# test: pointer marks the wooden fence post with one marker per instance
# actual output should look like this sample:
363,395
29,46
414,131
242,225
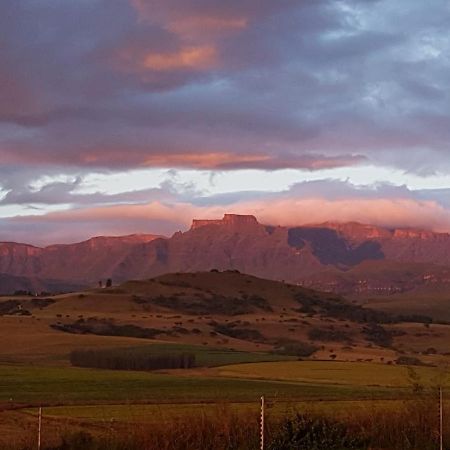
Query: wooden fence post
39,427
262,423
441,420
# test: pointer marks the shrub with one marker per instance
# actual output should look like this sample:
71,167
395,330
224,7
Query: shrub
107,328
211,304
322,334
339,308
297,348
13,307
246,334
76,440
42,302
378,335
311,433
409,361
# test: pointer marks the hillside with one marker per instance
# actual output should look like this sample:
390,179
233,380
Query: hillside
214,309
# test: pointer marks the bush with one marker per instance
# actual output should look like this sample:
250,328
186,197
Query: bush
409,361
303,432
13,307
297,348
339,308
322,334
378,335
246,334
107,328
42,302
75,441
210,304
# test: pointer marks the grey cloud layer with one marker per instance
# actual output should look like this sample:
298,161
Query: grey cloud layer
171,207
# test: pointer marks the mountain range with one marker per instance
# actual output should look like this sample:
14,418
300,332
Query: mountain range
346,258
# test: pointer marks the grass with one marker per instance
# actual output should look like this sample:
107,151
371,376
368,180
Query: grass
151,413
361,425
433,303
50,385
343,373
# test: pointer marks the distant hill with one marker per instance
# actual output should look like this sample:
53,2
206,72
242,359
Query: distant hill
10,284
350,258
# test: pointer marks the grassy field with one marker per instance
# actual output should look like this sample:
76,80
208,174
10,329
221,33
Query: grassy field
25,384
151,413
342,373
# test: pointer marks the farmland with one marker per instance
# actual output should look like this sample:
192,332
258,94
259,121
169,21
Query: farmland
300,349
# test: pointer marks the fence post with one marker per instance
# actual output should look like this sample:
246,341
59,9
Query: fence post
39,427
441,420
262,423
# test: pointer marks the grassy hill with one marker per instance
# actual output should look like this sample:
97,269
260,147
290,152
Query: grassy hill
212,309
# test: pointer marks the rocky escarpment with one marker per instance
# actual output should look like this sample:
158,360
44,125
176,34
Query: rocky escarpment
333,256
228,220
82,263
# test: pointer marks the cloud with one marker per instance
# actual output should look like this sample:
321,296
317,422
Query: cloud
396,213
114,82
304,203
114,85
189,57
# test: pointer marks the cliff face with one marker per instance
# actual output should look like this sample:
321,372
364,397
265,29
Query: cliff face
228,220
84,262
336,257
325,255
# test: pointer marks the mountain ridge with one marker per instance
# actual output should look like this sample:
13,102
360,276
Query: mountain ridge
300,254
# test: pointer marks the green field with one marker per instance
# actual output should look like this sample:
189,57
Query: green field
102,402
27,384
342,373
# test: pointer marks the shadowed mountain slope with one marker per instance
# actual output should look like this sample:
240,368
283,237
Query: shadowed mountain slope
336,257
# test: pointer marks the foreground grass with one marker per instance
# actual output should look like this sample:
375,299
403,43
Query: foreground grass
409,425
25,384
156,413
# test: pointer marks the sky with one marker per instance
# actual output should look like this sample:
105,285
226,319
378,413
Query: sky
136,116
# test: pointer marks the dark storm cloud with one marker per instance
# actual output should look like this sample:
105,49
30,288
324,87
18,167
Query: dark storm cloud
221,85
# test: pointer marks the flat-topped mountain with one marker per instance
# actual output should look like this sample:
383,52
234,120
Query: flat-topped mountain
340,257
229,220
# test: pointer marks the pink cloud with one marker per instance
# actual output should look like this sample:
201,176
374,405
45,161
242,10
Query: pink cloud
198,57
390,213
160,218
